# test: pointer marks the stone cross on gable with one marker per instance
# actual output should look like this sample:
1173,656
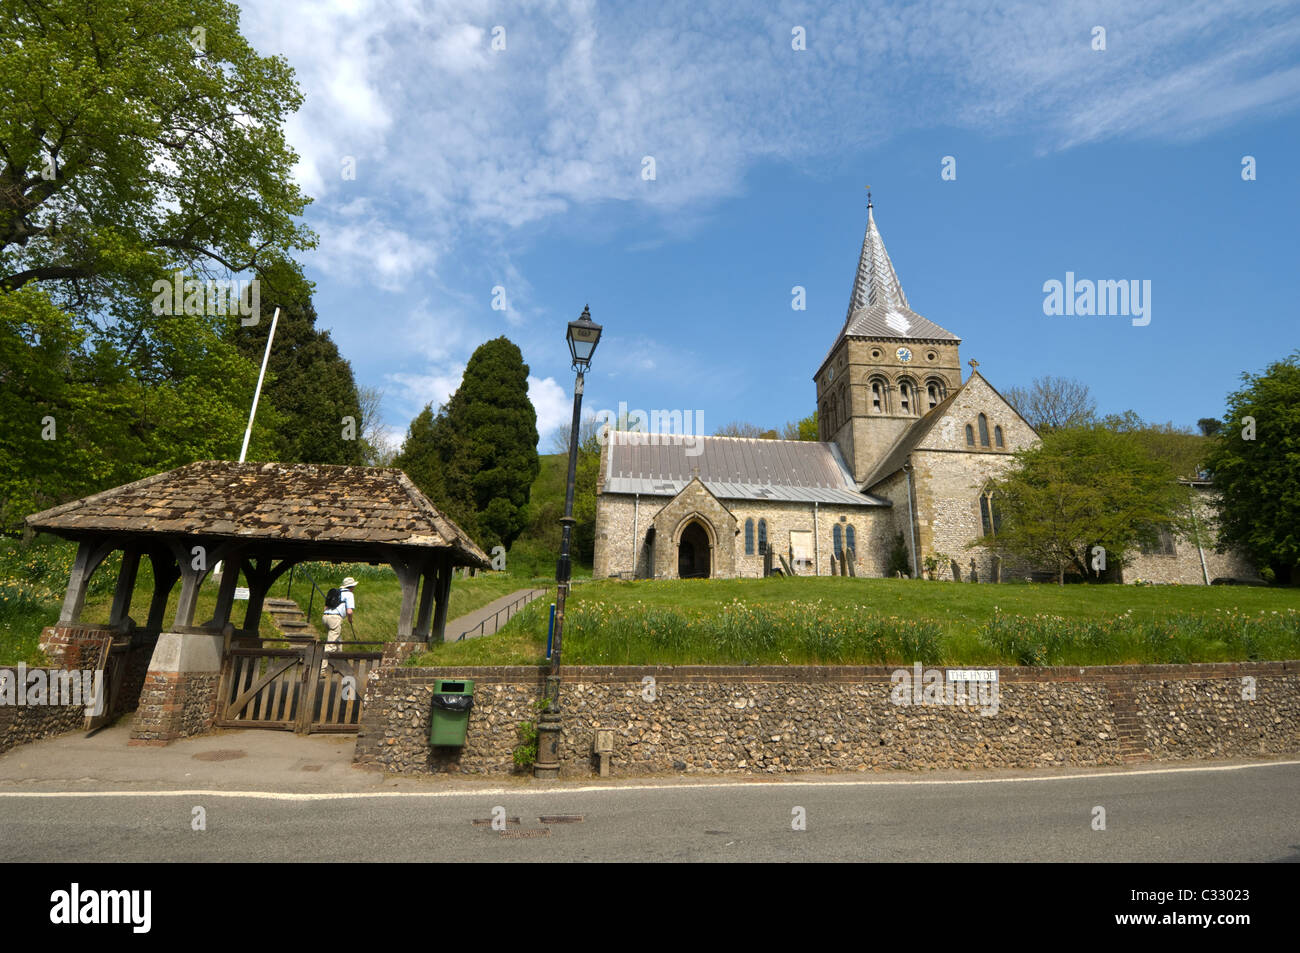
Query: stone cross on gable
973,363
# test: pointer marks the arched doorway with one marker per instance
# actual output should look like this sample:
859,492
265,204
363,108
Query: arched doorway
693,552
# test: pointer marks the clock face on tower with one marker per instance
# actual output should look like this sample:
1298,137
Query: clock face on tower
904,354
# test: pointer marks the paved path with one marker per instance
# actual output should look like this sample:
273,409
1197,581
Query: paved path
492,616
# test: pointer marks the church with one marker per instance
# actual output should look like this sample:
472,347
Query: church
899,482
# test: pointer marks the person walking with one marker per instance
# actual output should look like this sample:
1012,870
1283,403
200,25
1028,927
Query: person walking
340,604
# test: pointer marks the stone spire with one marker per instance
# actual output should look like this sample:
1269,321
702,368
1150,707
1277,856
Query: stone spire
876,281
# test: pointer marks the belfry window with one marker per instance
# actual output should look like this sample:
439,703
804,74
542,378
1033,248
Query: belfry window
932,393
997,437
905,396
877,398
984,430
749,537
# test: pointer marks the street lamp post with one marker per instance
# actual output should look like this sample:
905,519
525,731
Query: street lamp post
583,336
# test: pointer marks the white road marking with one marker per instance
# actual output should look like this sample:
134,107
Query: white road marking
614,789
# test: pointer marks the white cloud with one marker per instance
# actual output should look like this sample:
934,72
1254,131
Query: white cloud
466,137
372,253
410,392
554,407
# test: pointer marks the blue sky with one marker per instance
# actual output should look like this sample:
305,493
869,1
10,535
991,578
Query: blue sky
522,168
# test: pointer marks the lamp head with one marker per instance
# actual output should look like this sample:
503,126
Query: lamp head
583,336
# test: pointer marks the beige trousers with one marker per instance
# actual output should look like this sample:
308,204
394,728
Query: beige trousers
333,627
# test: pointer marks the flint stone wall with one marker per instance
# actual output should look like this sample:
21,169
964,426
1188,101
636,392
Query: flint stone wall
20,724
776,719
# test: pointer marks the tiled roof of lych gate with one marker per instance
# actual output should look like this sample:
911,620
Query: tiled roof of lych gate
733,468
301,502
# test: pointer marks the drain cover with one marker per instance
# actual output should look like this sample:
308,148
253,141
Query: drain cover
222,754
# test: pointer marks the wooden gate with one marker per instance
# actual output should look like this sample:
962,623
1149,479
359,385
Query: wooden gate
303,688
112,664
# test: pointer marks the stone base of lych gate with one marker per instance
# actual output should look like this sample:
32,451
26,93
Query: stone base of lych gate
179,697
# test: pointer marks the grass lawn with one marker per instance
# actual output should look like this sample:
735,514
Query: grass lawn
825,620
884,621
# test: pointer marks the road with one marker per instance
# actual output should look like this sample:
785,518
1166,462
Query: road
1211,813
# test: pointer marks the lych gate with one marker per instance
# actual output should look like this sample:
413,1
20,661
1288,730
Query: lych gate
259,519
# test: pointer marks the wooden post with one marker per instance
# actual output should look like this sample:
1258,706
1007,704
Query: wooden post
428,587
165,574
191,578
261,577
90,553
443,597
409,577
125,587
226,594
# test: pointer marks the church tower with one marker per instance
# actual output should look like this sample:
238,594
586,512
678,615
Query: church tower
888,367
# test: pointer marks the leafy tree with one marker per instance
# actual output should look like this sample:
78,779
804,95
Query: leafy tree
421,460
805,429
482,445
83,416
1255,465
1052,402
1209,426
1179,447
376,441
741,428
138,136
1084,487
308,381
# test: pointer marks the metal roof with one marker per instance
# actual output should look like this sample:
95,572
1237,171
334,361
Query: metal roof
876,282
878,307
733,468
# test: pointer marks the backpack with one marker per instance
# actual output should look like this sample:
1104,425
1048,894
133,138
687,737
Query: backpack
333,598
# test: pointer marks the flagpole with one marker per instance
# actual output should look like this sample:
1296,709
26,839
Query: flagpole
258,393
243,451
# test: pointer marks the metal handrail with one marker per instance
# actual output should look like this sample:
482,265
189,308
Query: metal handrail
525,599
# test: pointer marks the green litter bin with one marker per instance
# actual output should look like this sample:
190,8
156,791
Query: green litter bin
452,700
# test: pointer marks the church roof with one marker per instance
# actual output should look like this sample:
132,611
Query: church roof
908,440
731,468
878,307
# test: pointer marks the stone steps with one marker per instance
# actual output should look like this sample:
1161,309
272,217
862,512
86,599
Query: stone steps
289,618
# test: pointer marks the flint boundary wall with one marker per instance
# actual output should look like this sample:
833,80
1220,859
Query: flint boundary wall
777,719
